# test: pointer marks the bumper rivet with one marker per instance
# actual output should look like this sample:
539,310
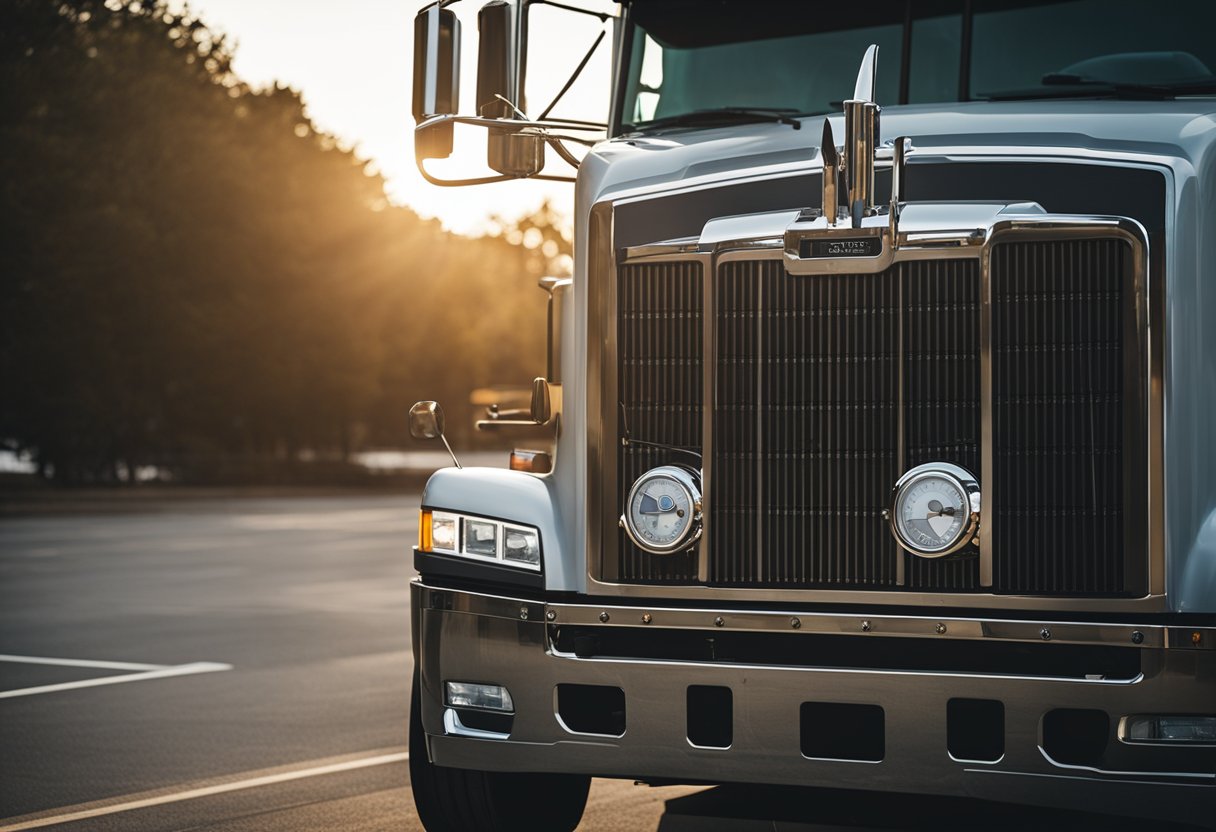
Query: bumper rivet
1045,634
646,619
719,621
1137,637
603,618
551,614
941,629
865,627
795,623
523,613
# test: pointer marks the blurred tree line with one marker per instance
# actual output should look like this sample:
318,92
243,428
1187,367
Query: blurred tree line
195,278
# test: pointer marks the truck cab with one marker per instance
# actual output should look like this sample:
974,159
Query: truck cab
878,408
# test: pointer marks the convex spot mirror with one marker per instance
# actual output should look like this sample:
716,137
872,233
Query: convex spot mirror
436,78
426,420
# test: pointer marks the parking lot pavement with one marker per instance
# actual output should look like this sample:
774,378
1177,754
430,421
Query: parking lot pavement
245,665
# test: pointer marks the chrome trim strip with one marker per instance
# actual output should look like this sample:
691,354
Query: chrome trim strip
914,246
454,727
1115,773
859,625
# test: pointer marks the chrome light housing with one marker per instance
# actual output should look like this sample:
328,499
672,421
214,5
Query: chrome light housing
663,510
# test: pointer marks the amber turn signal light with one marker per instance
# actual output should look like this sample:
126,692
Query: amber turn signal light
533,462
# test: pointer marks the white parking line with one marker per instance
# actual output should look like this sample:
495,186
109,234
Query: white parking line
83,813
81,663
146,672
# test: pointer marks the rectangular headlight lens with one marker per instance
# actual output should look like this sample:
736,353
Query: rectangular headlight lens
1170,729
521,545
443,533
481,538
472,695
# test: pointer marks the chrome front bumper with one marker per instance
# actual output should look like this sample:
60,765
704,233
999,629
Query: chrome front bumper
472,637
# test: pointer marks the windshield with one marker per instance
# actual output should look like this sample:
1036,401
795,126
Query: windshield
687,57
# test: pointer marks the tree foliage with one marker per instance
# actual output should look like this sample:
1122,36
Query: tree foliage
193,273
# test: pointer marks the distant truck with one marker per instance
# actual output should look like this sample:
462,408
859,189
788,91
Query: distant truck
883,447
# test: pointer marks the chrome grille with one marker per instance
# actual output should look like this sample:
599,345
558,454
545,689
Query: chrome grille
805,418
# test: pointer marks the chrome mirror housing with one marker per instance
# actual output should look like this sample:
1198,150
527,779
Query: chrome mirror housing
436,78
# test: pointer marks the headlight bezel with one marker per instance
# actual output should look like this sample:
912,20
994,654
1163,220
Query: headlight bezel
463,522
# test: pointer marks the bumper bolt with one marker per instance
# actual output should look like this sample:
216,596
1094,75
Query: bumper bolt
646,619
1137,637
603,618
551,614
1045,634
865,626
795,623
719,621
941,629
523,613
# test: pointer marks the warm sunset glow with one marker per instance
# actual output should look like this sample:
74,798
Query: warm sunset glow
352,63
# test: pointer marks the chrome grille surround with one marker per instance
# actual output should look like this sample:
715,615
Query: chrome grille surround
1145,558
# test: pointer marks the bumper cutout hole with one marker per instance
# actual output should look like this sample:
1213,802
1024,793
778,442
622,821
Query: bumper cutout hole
838,731
592,709
710,716
1076,736
975,729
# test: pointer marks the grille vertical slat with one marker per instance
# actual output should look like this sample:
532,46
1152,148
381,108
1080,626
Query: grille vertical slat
660,380
1057,416
942,391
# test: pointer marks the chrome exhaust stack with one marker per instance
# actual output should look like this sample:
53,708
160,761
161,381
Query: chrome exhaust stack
861,139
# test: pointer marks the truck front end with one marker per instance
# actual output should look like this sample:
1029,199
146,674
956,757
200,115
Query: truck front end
879,466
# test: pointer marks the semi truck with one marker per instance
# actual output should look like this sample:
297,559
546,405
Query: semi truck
876,417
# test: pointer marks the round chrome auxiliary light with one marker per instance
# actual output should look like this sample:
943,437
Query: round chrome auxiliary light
935,510
663,510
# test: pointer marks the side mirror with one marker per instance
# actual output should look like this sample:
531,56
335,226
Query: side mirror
497,58
501,26
436,78
426,422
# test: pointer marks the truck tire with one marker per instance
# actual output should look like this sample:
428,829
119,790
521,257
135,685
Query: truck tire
461,800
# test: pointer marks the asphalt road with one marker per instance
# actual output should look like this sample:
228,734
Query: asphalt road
245,665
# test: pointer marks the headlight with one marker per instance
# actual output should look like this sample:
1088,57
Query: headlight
479,538
663,510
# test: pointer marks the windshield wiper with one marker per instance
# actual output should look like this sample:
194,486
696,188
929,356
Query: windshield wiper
724,115
1072,86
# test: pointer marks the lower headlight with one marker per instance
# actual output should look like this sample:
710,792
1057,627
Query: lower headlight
473,695
1181,730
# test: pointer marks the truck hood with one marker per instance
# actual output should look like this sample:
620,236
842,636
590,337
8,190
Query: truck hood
1183,129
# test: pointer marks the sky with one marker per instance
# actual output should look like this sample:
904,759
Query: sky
351,61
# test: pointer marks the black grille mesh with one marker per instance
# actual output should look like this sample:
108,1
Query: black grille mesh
1057,312
660,347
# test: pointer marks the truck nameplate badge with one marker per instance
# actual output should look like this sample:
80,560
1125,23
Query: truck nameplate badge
846,247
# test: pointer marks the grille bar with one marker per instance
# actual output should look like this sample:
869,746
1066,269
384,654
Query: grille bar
660,342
